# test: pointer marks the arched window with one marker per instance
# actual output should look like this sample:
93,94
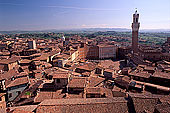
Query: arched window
136,19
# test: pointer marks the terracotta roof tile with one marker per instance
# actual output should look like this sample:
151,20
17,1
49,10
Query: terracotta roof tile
25,61
41,96
8,61
144,102
161,75
71,96
29,108
163,108
17,110
90,105
81,101
109,64
94,81
87,66
2,67
9,74
59,74
165,99
77,82
142,74
94,90
18,81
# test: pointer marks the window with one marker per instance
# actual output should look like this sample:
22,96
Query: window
58,80
10,95
92,95
136,19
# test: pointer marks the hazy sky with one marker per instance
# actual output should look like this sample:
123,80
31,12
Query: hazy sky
67,14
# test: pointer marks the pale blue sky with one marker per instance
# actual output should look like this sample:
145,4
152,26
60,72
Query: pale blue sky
67,14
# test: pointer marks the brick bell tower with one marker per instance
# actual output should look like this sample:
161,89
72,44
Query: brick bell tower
135,29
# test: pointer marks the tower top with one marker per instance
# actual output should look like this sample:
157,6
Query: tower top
135,24
63,37
136,11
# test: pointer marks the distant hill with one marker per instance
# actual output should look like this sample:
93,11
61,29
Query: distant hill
155,30
84,30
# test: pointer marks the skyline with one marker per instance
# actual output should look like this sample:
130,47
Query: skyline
74,14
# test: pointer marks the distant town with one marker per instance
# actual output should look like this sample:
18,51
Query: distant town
85,71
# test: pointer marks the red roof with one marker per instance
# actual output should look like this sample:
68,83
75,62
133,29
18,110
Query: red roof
77,82
18,81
